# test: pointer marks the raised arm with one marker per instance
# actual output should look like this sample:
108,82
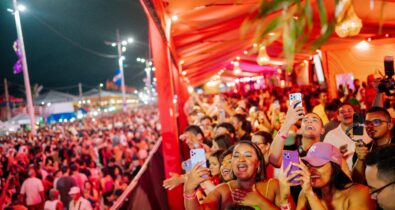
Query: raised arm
293,115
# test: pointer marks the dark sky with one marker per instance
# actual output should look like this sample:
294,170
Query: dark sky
62,36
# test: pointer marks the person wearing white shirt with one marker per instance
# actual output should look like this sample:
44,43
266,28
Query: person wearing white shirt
78,202
338,137
33,191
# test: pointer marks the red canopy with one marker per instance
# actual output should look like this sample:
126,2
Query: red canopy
206,36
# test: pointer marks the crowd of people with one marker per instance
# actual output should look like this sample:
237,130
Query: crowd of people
264,151
85,164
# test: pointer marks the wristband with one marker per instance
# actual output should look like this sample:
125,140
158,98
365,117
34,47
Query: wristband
286,206
191,196
283,137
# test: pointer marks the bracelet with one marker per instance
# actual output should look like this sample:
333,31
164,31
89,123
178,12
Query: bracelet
191,196
286,206
283,137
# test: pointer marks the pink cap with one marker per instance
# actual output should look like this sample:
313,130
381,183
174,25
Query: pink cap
321,153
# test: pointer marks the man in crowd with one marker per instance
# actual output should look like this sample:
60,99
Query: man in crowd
341,137
380,176
225,128
206,123
320,108
331,112
378,126
242,126
64,184
33,190
78,202
194,138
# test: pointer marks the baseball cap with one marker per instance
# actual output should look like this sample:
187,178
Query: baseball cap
321,153
74,190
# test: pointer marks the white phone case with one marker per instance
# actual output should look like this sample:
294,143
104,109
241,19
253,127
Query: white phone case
198,155
295,97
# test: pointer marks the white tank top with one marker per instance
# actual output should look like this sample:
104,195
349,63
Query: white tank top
50,205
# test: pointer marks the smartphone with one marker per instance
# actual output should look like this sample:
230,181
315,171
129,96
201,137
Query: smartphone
295,97
187,165
291,156
198,155
358,123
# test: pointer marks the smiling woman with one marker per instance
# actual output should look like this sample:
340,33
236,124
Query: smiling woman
251,188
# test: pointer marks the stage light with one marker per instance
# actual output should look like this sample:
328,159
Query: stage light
21,8
363,45
174,18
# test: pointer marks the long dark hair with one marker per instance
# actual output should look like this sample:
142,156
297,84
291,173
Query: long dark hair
224,141
261,173
339,180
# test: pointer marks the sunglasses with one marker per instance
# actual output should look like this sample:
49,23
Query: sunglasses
375,122
374,193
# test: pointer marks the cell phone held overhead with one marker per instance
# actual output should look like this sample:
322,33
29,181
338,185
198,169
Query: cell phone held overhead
295,97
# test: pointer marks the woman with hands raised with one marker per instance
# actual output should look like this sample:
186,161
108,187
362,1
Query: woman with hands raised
251,188
324,184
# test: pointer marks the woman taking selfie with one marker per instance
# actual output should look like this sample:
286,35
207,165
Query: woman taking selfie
251,188
324,184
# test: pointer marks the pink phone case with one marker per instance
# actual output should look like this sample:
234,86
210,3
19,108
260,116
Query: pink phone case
290,156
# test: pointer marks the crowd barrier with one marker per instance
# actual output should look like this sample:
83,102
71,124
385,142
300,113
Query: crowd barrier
146,191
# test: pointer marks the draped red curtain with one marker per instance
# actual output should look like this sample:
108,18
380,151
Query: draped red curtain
167,109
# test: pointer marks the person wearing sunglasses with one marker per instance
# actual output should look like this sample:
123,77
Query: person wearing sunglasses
380,176
378,126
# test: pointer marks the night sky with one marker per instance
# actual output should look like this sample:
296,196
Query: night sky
64,41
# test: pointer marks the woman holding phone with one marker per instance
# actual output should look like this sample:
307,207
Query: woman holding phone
251,188
324,184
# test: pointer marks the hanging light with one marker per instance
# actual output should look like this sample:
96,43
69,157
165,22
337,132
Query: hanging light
348,23
236,68
263,58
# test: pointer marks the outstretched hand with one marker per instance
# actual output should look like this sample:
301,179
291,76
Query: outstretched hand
172,182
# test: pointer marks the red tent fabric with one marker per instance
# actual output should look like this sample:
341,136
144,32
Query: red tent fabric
192,40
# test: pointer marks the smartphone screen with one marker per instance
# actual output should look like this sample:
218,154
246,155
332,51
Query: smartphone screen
291,156
358,122
295,97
